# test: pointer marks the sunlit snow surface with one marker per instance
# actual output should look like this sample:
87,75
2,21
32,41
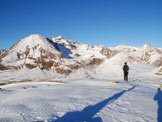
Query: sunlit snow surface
81,99
96,94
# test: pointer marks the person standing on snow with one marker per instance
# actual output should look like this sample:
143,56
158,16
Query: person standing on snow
125,69
158,98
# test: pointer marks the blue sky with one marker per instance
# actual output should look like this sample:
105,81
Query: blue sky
94,22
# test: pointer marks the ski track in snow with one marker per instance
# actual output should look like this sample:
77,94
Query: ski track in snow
79,101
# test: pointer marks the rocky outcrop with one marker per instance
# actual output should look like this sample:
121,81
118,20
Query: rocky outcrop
107,52
95,61
2,67
2,51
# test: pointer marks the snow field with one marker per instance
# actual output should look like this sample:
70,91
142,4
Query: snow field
79,101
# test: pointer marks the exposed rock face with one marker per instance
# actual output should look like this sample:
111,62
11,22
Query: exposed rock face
95,61
2,67
62,71
107,52
2,51
2,55
65,56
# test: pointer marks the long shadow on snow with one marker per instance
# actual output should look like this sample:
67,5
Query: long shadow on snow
4,91
158,98
87,114
61,48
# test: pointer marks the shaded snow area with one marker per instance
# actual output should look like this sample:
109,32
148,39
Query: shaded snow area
81,100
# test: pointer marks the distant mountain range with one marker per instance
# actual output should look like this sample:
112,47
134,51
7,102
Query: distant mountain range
66,56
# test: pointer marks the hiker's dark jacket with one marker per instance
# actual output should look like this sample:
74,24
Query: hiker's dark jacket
125,68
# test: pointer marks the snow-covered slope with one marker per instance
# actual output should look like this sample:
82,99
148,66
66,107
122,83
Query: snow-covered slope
81,101
67,58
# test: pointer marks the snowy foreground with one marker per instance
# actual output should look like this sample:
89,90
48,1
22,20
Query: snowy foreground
81,100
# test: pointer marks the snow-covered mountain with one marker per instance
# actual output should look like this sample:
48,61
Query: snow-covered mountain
66,57
146,54
56,54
